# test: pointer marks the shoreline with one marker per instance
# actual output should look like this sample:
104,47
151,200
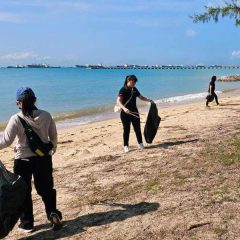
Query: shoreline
102,113
143,107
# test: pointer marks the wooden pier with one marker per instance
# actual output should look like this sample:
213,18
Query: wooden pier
163,67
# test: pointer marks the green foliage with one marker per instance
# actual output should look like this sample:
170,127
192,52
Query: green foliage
153,184
220,231
232,154
227,159
231,10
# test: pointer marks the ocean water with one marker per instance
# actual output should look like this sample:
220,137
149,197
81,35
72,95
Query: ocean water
77,96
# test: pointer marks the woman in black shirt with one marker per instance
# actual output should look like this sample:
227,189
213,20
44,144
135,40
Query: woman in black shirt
129,114
211,90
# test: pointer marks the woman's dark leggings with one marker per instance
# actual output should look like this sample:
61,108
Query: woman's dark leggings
41,170
127,119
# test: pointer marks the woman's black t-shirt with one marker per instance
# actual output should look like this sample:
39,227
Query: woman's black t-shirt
212,84
126,93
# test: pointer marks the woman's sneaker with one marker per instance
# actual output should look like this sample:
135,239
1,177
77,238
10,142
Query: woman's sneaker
126,149
140,146
56,221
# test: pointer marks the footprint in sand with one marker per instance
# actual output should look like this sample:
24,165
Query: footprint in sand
86,151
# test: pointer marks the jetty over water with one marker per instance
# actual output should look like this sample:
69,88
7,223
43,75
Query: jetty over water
170,67
127,66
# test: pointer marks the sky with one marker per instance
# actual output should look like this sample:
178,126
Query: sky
114,32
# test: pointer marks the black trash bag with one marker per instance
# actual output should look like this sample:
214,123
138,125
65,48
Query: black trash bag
152,123
13,191
210,98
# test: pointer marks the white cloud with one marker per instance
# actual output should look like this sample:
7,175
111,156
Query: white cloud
23,56
236,53
78,5
9,17
191,33
104,5
45,10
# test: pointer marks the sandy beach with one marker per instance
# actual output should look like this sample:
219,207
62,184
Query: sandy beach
177,188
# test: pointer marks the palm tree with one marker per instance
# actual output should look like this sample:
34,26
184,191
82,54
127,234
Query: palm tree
230,9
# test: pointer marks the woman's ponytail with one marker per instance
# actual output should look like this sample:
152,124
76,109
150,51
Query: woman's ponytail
28,105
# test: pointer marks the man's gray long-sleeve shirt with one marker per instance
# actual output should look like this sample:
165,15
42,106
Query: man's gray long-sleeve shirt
42,123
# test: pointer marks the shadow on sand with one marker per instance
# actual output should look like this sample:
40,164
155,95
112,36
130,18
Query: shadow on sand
77,225
229,104
174,143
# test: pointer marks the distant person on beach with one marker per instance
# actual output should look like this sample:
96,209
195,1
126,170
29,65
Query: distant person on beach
27,163
211,91
129,113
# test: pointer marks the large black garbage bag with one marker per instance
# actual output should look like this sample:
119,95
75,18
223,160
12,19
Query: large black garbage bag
152,123
12,195
210,98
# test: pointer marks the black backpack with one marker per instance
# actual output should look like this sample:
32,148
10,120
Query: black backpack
13,191
34,141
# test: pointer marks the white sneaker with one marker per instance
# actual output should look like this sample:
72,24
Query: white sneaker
126,149
140,146
26,230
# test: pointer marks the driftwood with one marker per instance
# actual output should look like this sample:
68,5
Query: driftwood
197,225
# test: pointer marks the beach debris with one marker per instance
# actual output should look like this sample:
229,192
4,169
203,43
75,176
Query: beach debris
197,225
67,141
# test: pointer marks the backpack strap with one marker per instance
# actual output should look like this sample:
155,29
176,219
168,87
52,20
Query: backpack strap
26,126
35,143
129,99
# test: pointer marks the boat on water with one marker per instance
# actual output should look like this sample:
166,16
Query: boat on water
41,65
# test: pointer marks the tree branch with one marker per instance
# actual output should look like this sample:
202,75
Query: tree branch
231,10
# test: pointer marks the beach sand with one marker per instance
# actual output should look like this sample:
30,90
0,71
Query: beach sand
175,189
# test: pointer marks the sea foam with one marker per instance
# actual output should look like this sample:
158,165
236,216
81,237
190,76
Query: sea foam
184,98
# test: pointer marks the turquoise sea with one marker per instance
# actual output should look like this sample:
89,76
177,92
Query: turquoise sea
84,95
